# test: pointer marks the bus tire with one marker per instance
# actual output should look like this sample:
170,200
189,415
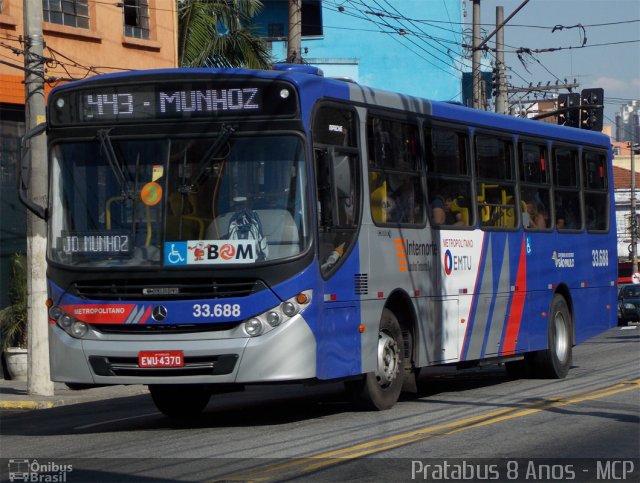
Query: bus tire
380,390
555,361
180,401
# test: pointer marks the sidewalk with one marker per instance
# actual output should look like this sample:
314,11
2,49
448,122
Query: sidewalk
14,395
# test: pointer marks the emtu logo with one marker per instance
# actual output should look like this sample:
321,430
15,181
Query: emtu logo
448,262
454,263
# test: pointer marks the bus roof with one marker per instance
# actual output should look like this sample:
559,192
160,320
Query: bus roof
304,75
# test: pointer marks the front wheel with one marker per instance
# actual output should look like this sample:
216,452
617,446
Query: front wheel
554,362
180,401
380,390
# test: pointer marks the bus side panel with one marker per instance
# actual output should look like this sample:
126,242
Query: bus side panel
405,264
581,265
337,333
497,322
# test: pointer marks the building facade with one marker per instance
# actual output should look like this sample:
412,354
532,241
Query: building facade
82,38
408,46
628,122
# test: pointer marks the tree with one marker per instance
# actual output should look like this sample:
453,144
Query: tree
13,319
218,33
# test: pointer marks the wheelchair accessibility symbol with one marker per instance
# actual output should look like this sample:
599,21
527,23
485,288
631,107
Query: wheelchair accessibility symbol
175,253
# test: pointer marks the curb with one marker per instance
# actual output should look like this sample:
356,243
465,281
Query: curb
29,404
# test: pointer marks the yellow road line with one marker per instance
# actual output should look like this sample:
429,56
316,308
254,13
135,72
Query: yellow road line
311,463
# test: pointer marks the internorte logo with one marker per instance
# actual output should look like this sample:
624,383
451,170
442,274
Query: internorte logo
408,250
456,263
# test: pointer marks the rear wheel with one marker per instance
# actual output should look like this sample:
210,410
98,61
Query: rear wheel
180,401
554,362
380,390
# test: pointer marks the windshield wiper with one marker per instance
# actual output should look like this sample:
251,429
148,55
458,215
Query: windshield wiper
114,162
204,166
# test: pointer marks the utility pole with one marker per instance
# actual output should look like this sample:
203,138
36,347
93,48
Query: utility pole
501,97
294,44
39,380
477,47
634,217
475,59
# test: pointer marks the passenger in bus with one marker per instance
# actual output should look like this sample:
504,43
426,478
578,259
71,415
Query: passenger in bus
403,205
441,213
537,219
560,220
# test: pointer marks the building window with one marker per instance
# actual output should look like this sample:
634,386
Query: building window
73,13
275,30
311,18
136,18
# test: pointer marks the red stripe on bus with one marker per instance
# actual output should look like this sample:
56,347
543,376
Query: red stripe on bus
517,305
146,315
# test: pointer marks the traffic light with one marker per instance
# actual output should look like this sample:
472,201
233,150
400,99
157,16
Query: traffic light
495,81
571,116
592,109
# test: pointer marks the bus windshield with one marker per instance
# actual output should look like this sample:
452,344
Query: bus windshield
123,202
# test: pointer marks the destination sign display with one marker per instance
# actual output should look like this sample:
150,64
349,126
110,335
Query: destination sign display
108,244
172,101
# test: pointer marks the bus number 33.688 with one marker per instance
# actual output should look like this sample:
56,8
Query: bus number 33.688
600,258
217,310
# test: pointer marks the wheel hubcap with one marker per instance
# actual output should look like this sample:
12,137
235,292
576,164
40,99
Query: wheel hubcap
388,359
561,336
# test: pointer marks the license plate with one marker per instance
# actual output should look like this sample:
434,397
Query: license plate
160,359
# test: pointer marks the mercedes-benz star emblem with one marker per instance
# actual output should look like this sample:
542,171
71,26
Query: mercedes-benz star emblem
159,313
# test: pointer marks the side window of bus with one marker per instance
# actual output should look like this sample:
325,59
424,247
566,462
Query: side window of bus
595,183
337,183
395,187
535,189
495,190
566,195
449,181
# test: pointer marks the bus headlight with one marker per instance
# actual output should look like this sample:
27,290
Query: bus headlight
79,329
55,312
273,318
289,309
65,321
253,327
75,328
279,315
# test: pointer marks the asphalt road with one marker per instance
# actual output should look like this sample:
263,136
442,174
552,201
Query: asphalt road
583,428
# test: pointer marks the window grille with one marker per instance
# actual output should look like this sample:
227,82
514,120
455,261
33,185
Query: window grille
73,13
136,18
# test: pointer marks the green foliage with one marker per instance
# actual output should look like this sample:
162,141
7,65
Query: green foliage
218,33
13,319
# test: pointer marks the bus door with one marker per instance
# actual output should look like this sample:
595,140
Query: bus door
338,204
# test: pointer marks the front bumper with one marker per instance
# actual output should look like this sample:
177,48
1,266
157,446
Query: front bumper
629,314
286,353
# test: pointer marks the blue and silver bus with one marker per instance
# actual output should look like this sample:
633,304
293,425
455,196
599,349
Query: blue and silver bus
210,229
